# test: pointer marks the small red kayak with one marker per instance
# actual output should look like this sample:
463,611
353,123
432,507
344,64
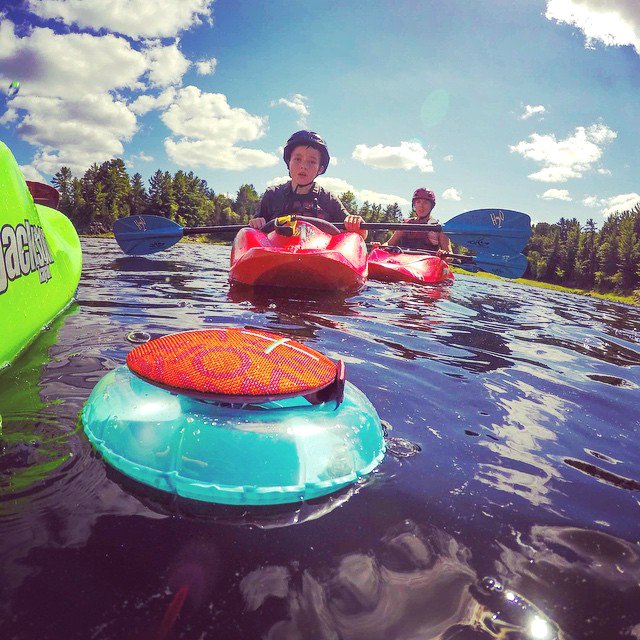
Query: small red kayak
299,254
405,267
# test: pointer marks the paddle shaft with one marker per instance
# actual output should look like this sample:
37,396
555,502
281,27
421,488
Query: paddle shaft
391,226
374,226
228,228
427,253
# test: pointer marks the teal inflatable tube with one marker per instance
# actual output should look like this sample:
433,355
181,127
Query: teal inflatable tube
274,452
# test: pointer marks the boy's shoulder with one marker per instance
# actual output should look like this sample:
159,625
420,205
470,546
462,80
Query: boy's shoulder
278,188
322,192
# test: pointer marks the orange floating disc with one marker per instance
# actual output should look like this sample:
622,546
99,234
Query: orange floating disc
241,363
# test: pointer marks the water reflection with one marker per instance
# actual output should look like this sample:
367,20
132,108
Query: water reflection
141,264
34,449
526,424
261,517
599,574
418,583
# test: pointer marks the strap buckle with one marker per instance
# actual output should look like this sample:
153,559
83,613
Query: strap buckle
287,226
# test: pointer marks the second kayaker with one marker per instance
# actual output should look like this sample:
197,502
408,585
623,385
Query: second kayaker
306,156
423,202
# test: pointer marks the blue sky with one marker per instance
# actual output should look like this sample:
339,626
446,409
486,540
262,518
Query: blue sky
531,106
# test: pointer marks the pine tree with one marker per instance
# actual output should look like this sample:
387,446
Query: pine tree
247,202
62,181
161,200
113,177
626,277
348,199
93,208
585,262
137,195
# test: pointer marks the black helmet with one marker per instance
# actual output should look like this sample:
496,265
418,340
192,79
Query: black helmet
308,139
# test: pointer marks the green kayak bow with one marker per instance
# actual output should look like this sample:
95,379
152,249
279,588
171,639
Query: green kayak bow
40,261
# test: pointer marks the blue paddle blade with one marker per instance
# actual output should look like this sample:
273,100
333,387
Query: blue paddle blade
140,235
506,266
493,231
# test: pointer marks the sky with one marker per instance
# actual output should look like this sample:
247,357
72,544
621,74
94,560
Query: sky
531,105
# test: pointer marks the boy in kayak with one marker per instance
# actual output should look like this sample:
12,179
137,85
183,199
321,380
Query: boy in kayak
423,202
306,156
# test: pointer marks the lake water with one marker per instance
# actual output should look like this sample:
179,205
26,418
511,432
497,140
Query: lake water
507,506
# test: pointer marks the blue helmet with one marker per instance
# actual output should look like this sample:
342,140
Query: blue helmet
307,139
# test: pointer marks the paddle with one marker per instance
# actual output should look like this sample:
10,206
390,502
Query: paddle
496,231
506,265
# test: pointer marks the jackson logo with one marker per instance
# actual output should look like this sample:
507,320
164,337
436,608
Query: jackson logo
23,250
497,218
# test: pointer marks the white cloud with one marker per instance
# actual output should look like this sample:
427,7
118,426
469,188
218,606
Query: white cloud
590,201
166,65
556,194
338,186
208,153
206,67
409,155
30,173
274,182
209,129
620,203
375,197
9,116
612,22
145,103
75,133
69,105
451,194
604,172
448,158
141,156
568,158
69,65
196,114
134,18
531,110
298,103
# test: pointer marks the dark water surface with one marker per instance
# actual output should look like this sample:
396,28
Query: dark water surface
524,407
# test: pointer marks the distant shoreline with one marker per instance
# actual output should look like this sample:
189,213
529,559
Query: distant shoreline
611,297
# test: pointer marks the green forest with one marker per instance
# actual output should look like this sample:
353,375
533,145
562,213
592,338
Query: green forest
605,259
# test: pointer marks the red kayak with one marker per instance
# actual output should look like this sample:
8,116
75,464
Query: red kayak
305,253
404,267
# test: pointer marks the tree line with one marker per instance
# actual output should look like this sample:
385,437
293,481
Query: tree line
106,192
573,255
565,253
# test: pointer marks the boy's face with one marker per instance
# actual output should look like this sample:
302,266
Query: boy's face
304,165
422,207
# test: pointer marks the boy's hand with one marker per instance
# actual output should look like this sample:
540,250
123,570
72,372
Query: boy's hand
352,223
257,223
